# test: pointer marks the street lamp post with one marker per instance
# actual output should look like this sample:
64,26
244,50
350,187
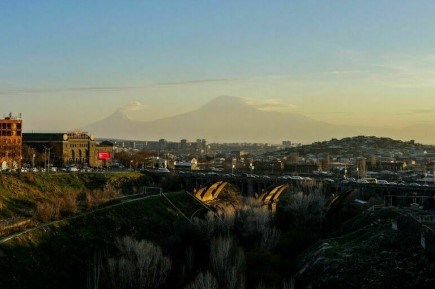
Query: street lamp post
357,171
232,169
46,162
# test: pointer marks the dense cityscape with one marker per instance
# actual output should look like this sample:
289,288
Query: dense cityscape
354,157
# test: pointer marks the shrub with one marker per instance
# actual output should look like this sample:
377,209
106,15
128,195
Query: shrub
306,209
47,211
69,203
95,198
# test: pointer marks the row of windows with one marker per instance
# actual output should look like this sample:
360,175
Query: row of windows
79,145
11,141
10,126
77,160
10,133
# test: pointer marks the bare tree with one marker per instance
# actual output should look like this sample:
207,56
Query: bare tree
307,208
227,262
256,222
94,273
288,284
216,224
261,286
204,281
189,256
285,285
251,219
140,265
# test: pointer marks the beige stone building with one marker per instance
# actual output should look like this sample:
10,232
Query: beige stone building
71,148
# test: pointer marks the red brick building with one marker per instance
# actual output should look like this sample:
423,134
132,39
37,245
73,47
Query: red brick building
10,142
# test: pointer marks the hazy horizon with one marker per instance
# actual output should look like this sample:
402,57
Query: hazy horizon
66,65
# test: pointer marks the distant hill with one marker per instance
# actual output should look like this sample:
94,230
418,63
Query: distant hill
116,124
231,119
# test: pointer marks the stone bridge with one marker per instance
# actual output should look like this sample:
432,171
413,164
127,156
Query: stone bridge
270,188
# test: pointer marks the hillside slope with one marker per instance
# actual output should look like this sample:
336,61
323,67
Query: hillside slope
19,193
61,255
368,253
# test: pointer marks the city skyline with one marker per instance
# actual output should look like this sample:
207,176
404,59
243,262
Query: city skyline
66,65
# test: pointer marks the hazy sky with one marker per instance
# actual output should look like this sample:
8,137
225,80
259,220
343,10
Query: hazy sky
65,64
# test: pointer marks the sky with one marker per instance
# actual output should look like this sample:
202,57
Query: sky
66,64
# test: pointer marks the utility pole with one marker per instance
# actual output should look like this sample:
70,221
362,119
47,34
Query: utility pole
48,162
45,159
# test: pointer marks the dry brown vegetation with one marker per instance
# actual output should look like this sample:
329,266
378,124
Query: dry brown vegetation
57,207
96,198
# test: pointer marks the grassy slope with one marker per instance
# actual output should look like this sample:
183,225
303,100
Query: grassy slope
20,192
46,258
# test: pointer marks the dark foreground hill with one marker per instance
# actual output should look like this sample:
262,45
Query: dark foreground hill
368,253
63,254
242,247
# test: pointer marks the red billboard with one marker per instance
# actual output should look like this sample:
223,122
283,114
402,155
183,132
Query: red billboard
103,156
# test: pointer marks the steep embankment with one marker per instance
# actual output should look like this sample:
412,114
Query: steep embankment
62,255
368,253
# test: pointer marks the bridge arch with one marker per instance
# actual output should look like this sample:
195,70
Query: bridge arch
272,195
212,191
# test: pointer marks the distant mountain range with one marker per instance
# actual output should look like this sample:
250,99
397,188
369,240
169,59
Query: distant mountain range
231,119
